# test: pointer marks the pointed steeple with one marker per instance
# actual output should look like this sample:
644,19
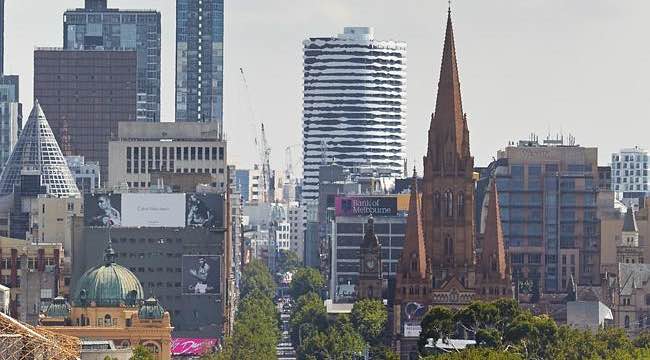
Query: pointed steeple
413,260
448,124
37,150
493,257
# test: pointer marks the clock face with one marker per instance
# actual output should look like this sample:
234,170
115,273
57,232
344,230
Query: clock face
370,264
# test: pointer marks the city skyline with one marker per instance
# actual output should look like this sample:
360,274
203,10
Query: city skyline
497,64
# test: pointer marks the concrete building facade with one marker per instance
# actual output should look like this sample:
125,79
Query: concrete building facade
140,149
630,173
87,175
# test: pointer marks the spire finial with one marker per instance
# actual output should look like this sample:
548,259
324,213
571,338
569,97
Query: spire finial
109,253
449,7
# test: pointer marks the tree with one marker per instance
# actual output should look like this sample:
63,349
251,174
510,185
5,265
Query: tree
477,354
288,261
370,318
309,316
438,323
141,353
306,280
256,276
338,342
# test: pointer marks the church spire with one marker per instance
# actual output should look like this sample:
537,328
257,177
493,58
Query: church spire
493,256
414,259
448,127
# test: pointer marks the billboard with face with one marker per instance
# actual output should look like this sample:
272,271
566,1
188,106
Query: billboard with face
201,274
204,210
153,210
102,210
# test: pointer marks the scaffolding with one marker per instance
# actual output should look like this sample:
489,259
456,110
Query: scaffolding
20,341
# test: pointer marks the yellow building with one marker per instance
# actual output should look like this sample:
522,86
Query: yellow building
108,304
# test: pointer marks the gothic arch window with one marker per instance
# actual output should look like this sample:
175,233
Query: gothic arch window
414,262
107,320
436,203
449,203
461,204
627,321
370,291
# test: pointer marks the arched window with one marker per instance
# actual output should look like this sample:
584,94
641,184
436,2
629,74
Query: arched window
627,322
449,247
436,204
461,204
449,203
370,291
107,320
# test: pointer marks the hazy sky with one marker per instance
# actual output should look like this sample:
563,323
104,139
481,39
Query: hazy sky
579,67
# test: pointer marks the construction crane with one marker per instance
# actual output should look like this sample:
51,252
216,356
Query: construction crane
263,150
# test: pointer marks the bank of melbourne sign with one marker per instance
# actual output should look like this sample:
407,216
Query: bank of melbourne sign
366,205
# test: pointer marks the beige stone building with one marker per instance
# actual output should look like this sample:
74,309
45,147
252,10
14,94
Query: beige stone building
141,149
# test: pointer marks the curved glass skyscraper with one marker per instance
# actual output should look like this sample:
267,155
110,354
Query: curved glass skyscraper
354,104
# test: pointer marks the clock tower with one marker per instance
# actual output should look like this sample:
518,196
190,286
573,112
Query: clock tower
370,271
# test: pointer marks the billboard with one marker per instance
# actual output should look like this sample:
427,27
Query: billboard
153,210
193,346
366,205
204,210
102,210
412,315
201,274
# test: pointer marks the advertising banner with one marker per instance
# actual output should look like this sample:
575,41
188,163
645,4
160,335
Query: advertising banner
204,210
193,346
201,274
412,315
102,210
366,205
153,210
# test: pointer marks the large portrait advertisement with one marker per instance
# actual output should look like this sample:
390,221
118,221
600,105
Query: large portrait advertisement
102,210
203,210
201,274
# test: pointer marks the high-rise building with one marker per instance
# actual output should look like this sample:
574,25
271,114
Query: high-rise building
630,173
85,94
547,196
2,36
11,116
354,104
97,27
199,60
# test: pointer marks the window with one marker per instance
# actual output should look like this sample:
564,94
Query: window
436,203
449,202
461,204
627,321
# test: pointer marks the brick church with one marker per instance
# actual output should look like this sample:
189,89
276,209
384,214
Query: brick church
439,264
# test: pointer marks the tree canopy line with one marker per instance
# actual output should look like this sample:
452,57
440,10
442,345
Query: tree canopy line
504,331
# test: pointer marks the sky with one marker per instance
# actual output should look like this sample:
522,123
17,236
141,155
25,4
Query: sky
577,67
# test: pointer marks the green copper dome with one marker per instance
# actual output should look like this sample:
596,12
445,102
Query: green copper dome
108,285
58,308
151,309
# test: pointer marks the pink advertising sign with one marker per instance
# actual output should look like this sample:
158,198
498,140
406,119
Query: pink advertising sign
192,346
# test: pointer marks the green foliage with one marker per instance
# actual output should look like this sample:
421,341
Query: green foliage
256,277
438,323
338,341
288,261
141,353
256,333
370,318
477,354
309,316
306,280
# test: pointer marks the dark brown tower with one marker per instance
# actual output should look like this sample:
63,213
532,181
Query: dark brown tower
448,194
370,271
493,273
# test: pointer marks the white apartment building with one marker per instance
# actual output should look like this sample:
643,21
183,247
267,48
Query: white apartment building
282,236
297,218
188,148
354,104
630,173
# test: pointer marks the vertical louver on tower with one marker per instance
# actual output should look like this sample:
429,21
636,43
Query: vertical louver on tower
37,150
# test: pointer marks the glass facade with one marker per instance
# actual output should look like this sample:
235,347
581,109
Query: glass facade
548,207
10,116
199,60
98,28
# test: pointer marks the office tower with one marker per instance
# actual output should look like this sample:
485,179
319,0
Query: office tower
354,104
85,94
37,154
199,60
97,27
630,173
547,196
11,116
2,36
